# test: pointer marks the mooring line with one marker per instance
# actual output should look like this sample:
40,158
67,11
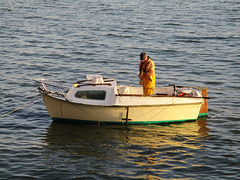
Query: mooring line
167,106
16,109
219,89
224,89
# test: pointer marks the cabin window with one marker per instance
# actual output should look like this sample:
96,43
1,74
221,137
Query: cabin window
95,95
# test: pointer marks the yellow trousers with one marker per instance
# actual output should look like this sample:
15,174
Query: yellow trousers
148,85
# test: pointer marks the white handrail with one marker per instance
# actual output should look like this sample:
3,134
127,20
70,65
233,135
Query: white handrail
44,84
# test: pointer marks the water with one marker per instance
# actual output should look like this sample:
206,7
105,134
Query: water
193,43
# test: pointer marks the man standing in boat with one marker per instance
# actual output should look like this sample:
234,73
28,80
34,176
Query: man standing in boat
147,74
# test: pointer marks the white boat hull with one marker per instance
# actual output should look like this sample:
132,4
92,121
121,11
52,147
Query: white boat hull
60,109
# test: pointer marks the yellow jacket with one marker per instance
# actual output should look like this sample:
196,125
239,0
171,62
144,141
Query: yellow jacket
147,69
147,76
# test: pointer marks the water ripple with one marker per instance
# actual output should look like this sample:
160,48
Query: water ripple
192,43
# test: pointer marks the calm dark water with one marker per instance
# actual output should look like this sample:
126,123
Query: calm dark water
195,43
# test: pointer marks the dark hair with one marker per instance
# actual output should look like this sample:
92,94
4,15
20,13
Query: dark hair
143,55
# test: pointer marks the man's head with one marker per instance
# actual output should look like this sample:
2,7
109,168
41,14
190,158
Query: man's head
143,56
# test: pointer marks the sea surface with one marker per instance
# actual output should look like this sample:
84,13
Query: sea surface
193,43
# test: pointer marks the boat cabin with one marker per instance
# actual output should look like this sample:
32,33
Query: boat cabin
103,91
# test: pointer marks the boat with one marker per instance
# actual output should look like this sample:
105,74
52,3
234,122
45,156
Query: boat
102,101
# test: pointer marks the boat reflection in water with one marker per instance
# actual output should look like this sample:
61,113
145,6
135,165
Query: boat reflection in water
150,151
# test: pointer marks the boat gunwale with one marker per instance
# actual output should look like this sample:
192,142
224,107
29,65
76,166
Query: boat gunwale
124,106
140,95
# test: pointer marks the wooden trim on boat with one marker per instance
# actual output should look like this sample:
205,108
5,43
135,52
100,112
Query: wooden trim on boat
204,107
140,95
104,84
116,106
104,79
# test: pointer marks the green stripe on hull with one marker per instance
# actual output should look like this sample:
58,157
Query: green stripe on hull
203,114
124,122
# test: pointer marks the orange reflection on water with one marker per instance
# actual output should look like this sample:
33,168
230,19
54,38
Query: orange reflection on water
150,150
167,148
